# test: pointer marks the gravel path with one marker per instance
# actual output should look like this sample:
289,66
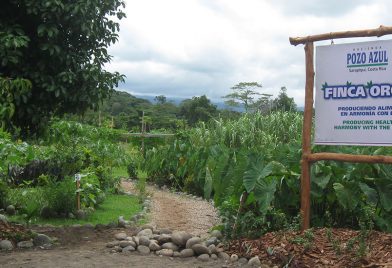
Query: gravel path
178,212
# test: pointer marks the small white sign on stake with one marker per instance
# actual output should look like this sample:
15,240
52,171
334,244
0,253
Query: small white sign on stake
354,94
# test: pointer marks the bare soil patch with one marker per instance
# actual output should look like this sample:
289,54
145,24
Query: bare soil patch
329,248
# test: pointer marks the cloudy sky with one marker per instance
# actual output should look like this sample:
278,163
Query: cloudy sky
185,48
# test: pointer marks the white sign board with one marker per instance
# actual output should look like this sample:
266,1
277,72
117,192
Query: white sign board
354,94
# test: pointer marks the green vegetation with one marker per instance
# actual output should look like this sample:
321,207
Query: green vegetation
107,212
74,35
257,157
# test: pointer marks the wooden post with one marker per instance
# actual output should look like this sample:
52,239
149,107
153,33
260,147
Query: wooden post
143,130
307,157
77,194
306,137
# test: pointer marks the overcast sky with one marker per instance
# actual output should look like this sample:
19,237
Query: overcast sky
185,48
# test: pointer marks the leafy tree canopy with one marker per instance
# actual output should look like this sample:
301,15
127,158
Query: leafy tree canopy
283,102
52,57
244,94
197,109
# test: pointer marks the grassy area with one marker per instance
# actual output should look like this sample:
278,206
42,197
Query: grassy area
113,207
120,172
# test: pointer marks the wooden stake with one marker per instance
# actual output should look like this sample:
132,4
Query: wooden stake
382,159
380,31
77,194
306,137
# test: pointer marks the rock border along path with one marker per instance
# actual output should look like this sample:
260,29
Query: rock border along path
179,226
178,211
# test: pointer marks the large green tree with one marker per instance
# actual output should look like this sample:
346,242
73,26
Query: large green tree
244,94
52,57
197,109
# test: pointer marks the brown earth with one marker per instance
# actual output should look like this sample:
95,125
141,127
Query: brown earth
86,247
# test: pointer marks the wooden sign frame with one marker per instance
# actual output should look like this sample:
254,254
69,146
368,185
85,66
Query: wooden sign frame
307,156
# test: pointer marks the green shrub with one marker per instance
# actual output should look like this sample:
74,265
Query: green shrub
132,170
60,197
4,189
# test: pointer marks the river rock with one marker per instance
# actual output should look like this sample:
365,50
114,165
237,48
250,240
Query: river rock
120,236
148,226
176,254
127,243
188,252
164,238
200,249
242,261
136,240
10,210
170,245
214,256
112,244
144,241
180,238
166,252
234,258
145,232
217,234
204,257
128,249
211,241
3,218
192,241
154,246
143,250
212,248
254,262
25,244
165,231
6,245
224,256
41,240
121,222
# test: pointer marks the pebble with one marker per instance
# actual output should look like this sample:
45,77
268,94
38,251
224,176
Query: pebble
10,210
25,244
41,240
126,243
145,232
154,246
165,231
217,234
185,253
120,236
212,248
128,249
166,252
180,238
204,257
211,241
170,245
254,262
243,261
112,244
200,249
164,238
143,250
6,245
144,241
136,240
148,226
3,218
224,255
192,241
234,258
